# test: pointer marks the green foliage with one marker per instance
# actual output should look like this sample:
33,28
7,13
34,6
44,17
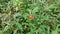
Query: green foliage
14,17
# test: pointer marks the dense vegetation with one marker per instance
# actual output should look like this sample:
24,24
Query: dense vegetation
29,16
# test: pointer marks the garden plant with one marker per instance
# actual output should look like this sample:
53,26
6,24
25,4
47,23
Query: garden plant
29,16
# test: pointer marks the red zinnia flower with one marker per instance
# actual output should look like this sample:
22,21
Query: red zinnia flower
31,16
